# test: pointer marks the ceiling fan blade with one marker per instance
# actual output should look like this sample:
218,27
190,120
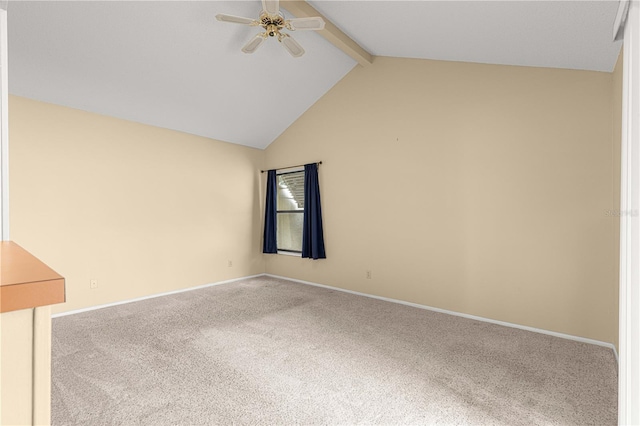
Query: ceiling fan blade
254,43
236,19
301,24
272,7
292,46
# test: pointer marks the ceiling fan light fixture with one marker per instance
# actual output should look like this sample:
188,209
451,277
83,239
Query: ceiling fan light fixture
272,30
272,20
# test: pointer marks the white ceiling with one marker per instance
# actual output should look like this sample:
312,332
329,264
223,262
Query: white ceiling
556,34
168,64
172,65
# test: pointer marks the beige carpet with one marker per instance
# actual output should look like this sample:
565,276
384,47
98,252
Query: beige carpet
268,351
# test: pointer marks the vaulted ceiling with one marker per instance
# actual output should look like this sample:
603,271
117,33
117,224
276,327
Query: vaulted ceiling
172,65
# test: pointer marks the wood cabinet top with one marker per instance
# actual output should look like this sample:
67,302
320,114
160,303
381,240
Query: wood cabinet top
26,282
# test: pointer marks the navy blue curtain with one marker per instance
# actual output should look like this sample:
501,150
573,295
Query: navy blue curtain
269,244
312,236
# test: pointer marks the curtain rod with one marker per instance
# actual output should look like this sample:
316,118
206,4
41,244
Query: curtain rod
290,167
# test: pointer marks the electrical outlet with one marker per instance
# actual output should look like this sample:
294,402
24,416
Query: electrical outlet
230,263
368,275
93,283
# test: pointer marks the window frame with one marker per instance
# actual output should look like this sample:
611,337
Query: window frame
280,172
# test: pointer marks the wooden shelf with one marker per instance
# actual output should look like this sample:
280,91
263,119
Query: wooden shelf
26,282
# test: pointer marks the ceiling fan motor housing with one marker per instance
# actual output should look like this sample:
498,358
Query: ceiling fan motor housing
271,23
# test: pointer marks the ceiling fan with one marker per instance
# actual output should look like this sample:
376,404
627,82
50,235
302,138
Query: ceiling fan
272,20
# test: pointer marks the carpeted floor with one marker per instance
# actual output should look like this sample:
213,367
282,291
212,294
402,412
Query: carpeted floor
269,351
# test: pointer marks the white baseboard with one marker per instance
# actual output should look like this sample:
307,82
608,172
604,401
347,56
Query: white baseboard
151,296
459,314
387,299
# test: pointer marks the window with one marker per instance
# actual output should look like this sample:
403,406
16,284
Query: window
292,213
290,210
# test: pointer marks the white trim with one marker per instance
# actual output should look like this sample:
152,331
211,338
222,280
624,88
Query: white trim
357,293
629,306
151,296
458,314
288,253
621,20
372,296
4,129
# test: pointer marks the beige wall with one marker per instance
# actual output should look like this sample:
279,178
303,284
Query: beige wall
140,209
481,189
616,157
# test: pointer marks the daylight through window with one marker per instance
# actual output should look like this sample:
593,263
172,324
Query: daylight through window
290,210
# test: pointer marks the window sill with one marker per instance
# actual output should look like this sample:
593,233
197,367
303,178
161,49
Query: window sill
288,253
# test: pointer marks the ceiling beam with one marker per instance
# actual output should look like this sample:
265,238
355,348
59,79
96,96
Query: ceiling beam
302,9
